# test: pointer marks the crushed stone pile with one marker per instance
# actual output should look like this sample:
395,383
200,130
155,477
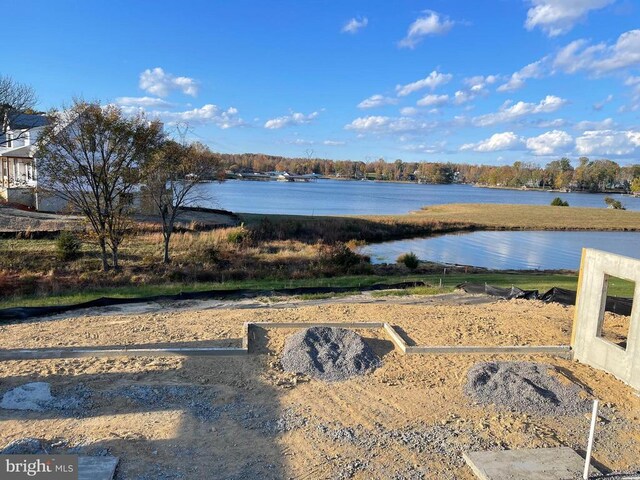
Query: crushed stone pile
525,387
328,353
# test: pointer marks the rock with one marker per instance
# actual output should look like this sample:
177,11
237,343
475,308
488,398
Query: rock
34,396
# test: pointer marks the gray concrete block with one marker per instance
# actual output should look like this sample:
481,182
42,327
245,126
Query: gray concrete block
97,468
560,463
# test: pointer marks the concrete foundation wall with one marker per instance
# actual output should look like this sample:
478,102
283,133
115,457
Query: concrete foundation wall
587,343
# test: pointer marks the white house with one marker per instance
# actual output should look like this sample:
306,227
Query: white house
17,158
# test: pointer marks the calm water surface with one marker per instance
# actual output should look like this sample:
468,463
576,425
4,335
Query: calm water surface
509,250
496,250
335,197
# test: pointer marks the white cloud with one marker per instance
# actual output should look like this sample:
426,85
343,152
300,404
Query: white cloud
301,141
144,102
408,111
354,25
462,96
431,23
556,17
289,120
549,143
431,81
606,124
376,101
479,83
157,82
433,100
497,142
382,125
608,142
475,86
555,123
600,58
207,114
334,143
508,112
632,82
517,79
600,105
438,147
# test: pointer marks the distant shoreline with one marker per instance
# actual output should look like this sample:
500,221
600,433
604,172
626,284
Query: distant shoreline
474,185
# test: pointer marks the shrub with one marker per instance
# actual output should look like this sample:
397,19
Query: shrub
613,203
409,260
558,202
341,259
237,235
68,246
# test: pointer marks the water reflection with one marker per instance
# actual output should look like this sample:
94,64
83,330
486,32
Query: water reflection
509,250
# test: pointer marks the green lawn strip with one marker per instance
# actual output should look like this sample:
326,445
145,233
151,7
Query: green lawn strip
174,288
526,281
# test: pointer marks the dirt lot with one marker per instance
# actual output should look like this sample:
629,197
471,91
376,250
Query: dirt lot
25,221
243,417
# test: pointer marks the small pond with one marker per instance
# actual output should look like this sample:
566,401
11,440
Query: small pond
548,250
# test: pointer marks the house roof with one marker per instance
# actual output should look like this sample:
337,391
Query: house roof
26,151
19,121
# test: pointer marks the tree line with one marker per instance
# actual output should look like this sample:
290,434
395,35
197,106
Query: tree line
587,175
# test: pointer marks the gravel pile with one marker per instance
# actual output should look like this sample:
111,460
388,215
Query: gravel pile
524,387
328,353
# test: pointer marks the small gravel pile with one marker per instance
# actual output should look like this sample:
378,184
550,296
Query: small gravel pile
328,353
524,387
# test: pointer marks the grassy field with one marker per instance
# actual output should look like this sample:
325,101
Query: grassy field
529,217
526,281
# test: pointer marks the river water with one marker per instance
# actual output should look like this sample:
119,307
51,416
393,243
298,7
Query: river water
509,250
335,197
495,250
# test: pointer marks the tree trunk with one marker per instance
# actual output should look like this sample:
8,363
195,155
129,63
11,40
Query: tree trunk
103,250
114,255
168,230
166,258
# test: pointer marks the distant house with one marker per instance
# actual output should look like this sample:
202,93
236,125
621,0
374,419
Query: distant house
18,179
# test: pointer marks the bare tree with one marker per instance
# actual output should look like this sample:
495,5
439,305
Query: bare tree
170,178
15,98
89,155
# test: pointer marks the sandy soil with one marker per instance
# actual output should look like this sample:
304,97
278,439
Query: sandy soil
15,220
243,417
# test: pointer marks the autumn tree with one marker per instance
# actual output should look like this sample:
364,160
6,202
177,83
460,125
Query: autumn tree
90,156
560,172
170,178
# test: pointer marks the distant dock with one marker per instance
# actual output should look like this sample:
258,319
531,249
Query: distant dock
273,176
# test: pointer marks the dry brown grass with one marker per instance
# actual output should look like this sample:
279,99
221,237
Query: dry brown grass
529,217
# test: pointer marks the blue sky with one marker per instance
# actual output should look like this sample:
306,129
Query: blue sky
490,81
